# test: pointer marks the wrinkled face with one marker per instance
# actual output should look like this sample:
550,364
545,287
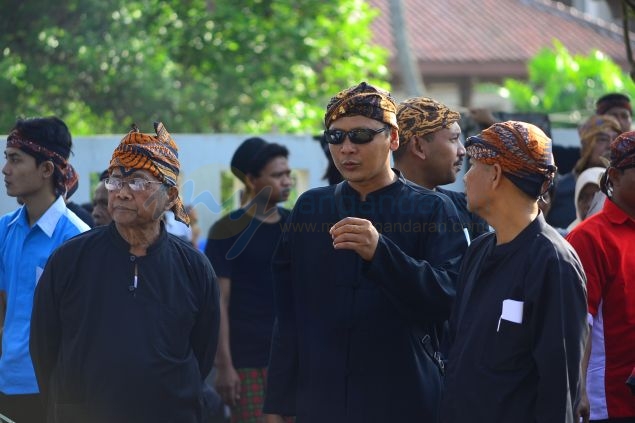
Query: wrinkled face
137,208
602,148
623,116
274,177
364,164
476,186
22,176
585,197
100,213
444,155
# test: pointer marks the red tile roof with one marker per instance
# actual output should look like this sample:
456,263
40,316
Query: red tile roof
501,33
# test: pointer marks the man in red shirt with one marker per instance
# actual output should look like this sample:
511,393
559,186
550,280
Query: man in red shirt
604,243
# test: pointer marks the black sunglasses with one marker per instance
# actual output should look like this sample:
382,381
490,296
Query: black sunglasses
357,136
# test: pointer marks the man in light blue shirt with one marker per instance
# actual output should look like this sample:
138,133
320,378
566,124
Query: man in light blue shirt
38,174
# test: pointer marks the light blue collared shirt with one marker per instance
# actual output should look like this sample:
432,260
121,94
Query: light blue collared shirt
24,251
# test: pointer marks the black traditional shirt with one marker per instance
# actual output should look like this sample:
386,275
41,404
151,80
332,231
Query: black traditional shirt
347,338
121,338
519,328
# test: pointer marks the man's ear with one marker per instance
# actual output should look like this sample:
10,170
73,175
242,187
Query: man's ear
614,175
47,168
394,139
173,194
496,176
250,182
419,147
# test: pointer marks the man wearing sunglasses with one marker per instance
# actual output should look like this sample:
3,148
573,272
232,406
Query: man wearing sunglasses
431,154
126,317
363,276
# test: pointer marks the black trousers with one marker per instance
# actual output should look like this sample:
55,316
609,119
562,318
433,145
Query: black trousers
22,408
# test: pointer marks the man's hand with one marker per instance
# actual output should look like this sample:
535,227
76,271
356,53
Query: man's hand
227,384
583,410
359,235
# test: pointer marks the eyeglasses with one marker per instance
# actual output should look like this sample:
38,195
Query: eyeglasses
136,184
357,136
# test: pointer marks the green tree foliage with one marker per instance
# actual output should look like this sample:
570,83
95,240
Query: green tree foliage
566,85
199,65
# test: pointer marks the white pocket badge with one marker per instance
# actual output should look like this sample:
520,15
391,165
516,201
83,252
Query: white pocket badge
512,312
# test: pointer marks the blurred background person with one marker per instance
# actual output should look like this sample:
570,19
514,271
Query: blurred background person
240,246
431,153
586,186
604,242
596,135
616,105
100,213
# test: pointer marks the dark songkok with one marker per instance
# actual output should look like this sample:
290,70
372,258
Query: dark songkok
65,178
521,149
243,160
623,151
611,100
362,100
156,154
420,116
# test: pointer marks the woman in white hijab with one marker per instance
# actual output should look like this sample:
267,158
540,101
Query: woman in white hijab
586,186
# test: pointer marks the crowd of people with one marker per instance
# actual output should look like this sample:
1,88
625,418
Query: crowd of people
380,297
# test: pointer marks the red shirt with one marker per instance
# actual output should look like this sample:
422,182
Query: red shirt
605,243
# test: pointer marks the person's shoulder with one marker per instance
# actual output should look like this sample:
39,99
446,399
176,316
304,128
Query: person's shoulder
593,226
82,242
452,194
7,218
74,223
482,240
284,212
420,192
317,192
549,243
229,225
191,253
81,212
459,199
318,198
432,200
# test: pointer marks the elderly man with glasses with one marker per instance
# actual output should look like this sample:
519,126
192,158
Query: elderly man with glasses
363,276
125,318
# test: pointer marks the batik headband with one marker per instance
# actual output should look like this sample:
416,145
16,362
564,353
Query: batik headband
155,154
64,175
522,150
420,116
623,151
362,100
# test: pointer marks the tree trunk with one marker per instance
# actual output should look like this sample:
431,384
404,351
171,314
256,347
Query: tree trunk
412,79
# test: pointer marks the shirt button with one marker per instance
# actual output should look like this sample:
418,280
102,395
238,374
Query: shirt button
132,258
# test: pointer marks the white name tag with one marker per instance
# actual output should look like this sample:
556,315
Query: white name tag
512,312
